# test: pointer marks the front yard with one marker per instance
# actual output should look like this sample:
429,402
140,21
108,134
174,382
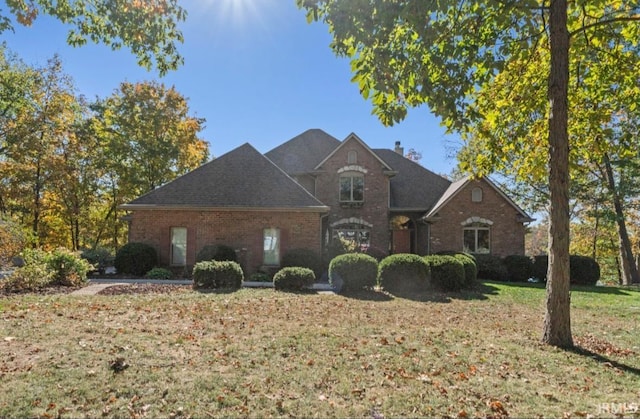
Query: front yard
257,353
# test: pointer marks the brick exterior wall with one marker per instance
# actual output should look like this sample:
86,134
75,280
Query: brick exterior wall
375,209
506,233
242,230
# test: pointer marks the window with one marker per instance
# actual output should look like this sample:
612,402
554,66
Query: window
352,157
271,246
359,236
178,246
476,195
476,238
352,188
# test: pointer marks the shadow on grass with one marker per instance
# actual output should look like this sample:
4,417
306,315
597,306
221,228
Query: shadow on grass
216,290
607,362
610,290
366,294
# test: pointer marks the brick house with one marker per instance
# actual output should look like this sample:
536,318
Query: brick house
315,188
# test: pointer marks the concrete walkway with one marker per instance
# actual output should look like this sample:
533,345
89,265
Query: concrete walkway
93,289
97,285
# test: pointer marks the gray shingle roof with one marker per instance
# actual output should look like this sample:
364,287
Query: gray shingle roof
302,153
413,187
241,178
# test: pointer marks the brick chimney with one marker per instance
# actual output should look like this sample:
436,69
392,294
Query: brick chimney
398,149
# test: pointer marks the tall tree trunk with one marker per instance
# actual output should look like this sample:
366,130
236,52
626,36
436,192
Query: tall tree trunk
557,320
628,267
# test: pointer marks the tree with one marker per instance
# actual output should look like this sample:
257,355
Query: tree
446,54
148,27
147,138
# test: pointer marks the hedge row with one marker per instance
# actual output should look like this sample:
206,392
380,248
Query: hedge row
584,270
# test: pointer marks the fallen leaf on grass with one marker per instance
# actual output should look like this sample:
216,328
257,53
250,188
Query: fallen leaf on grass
118,364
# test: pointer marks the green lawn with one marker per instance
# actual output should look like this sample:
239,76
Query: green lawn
257,353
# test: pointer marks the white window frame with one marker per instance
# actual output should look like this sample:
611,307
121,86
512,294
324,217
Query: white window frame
476,228
271,247
178,251
351,177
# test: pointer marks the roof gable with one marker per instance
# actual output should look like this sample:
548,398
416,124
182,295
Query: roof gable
241,178
353,137
302,153
455,188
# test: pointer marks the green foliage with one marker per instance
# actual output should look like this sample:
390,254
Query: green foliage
293,278
43,269
540,267
135,259
70,269
491,267
217,274
159,273
519,267
584,270
149,29
469,263
353,271
304,258
219,252
13,238
260,277
447,272
99,257
403,272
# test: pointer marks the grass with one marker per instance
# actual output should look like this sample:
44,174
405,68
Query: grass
260,353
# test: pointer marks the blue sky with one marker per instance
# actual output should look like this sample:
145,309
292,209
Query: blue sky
255,70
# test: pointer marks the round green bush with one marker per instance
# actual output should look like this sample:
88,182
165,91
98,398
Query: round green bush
584,270
353,271
99,258
447,272
403,272
519,267
135,259
491,267
304,258
540,267
159,273
216,274
469,263
219,252
293,278
70,269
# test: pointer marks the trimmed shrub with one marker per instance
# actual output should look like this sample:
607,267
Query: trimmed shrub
293,278
216,274
219,252
159,273
403,272
260,277
353,271
99,258
491,267
68,267
519,267
36,273
304,258
540,266
584,270
469,264
447,272
135,259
